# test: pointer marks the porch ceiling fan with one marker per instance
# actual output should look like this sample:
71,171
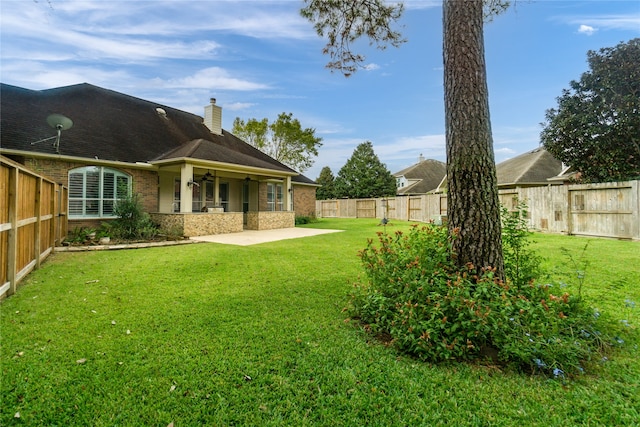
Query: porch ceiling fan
208,176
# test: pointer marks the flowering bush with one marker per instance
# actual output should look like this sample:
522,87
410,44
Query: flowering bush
434,310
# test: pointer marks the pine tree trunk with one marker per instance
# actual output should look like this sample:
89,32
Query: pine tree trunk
473,205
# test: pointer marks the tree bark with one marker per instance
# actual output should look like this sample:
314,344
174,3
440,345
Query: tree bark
473,206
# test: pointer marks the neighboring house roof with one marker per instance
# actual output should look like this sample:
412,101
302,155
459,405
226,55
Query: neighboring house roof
113,126
567,174
532,168
422,177
536,167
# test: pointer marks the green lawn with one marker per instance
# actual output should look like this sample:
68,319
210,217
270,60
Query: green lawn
209,334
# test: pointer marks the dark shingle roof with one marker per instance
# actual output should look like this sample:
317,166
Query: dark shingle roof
533,167
429,172
113,126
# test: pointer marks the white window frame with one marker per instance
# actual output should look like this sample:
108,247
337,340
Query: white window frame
94,191
275,196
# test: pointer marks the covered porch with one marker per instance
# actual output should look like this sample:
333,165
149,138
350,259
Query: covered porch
204,198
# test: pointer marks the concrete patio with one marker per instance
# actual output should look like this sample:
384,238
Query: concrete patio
254,237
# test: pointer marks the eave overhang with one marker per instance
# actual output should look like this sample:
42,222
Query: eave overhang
221,166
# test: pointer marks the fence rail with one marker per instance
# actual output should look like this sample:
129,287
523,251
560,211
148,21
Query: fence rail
605,210
33,220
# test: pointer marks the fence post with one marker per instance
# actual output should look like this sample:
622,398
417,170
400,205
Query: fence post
52,209
12,237
37,239
569,212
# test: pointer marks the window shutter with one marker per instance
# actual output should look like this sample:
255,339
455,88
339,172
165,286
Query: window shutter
76,191
76,184
93,191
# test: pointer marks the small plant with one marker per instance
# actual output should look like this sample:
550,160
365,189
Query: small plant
104,230
521,264
81,235
580,265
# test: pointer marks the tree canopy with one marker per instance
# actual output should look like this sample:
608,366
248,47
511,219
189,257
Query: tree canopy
364,175
345,21
284,139
327,181
595,128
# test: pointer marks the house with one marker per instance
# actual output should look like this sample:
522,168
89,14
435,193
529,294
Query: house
531,169
421,177
190,174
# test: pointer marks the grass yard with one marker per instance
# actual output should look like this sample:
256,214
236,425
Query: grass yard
219,335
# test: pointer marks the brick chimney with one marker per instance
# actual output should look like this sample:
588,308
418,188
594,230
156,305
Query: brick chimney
213,117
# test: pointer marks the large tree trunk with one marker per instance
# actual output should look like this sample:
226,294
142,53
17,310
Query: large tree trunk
473,206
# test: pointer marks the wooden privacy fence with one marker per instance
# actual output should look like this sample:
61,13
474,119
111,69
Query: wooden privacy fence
33,220
427,207
604,210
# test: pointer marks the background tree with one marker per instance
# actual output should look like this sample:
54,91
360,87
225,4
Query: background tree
364,175
327,180
596,127
473,206
285,140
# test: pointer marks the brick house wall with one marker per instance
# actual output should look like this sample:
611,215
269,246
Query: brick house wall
144,182
304,200
262,196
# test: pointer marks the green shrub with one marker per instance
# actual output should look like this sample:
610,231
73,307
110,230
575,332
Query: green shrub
132,221
302,219
416,296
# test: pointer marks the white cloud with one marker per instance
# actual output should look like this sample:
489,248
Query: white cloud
504,151
237,106
396,154
45,76
259,19
128,31
371,67
404,151
422,4
588,24
586,29
334,153
511,140
618,22
212,77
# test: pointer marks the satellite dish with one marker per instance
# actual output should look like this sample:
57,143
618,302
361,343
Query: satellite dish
59,122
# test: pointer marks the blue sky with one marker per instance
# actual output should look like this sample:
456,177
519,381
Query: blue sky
260,58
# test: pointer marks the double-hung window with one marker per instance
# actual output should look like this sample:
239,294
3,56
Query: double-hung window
275,197
94,191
